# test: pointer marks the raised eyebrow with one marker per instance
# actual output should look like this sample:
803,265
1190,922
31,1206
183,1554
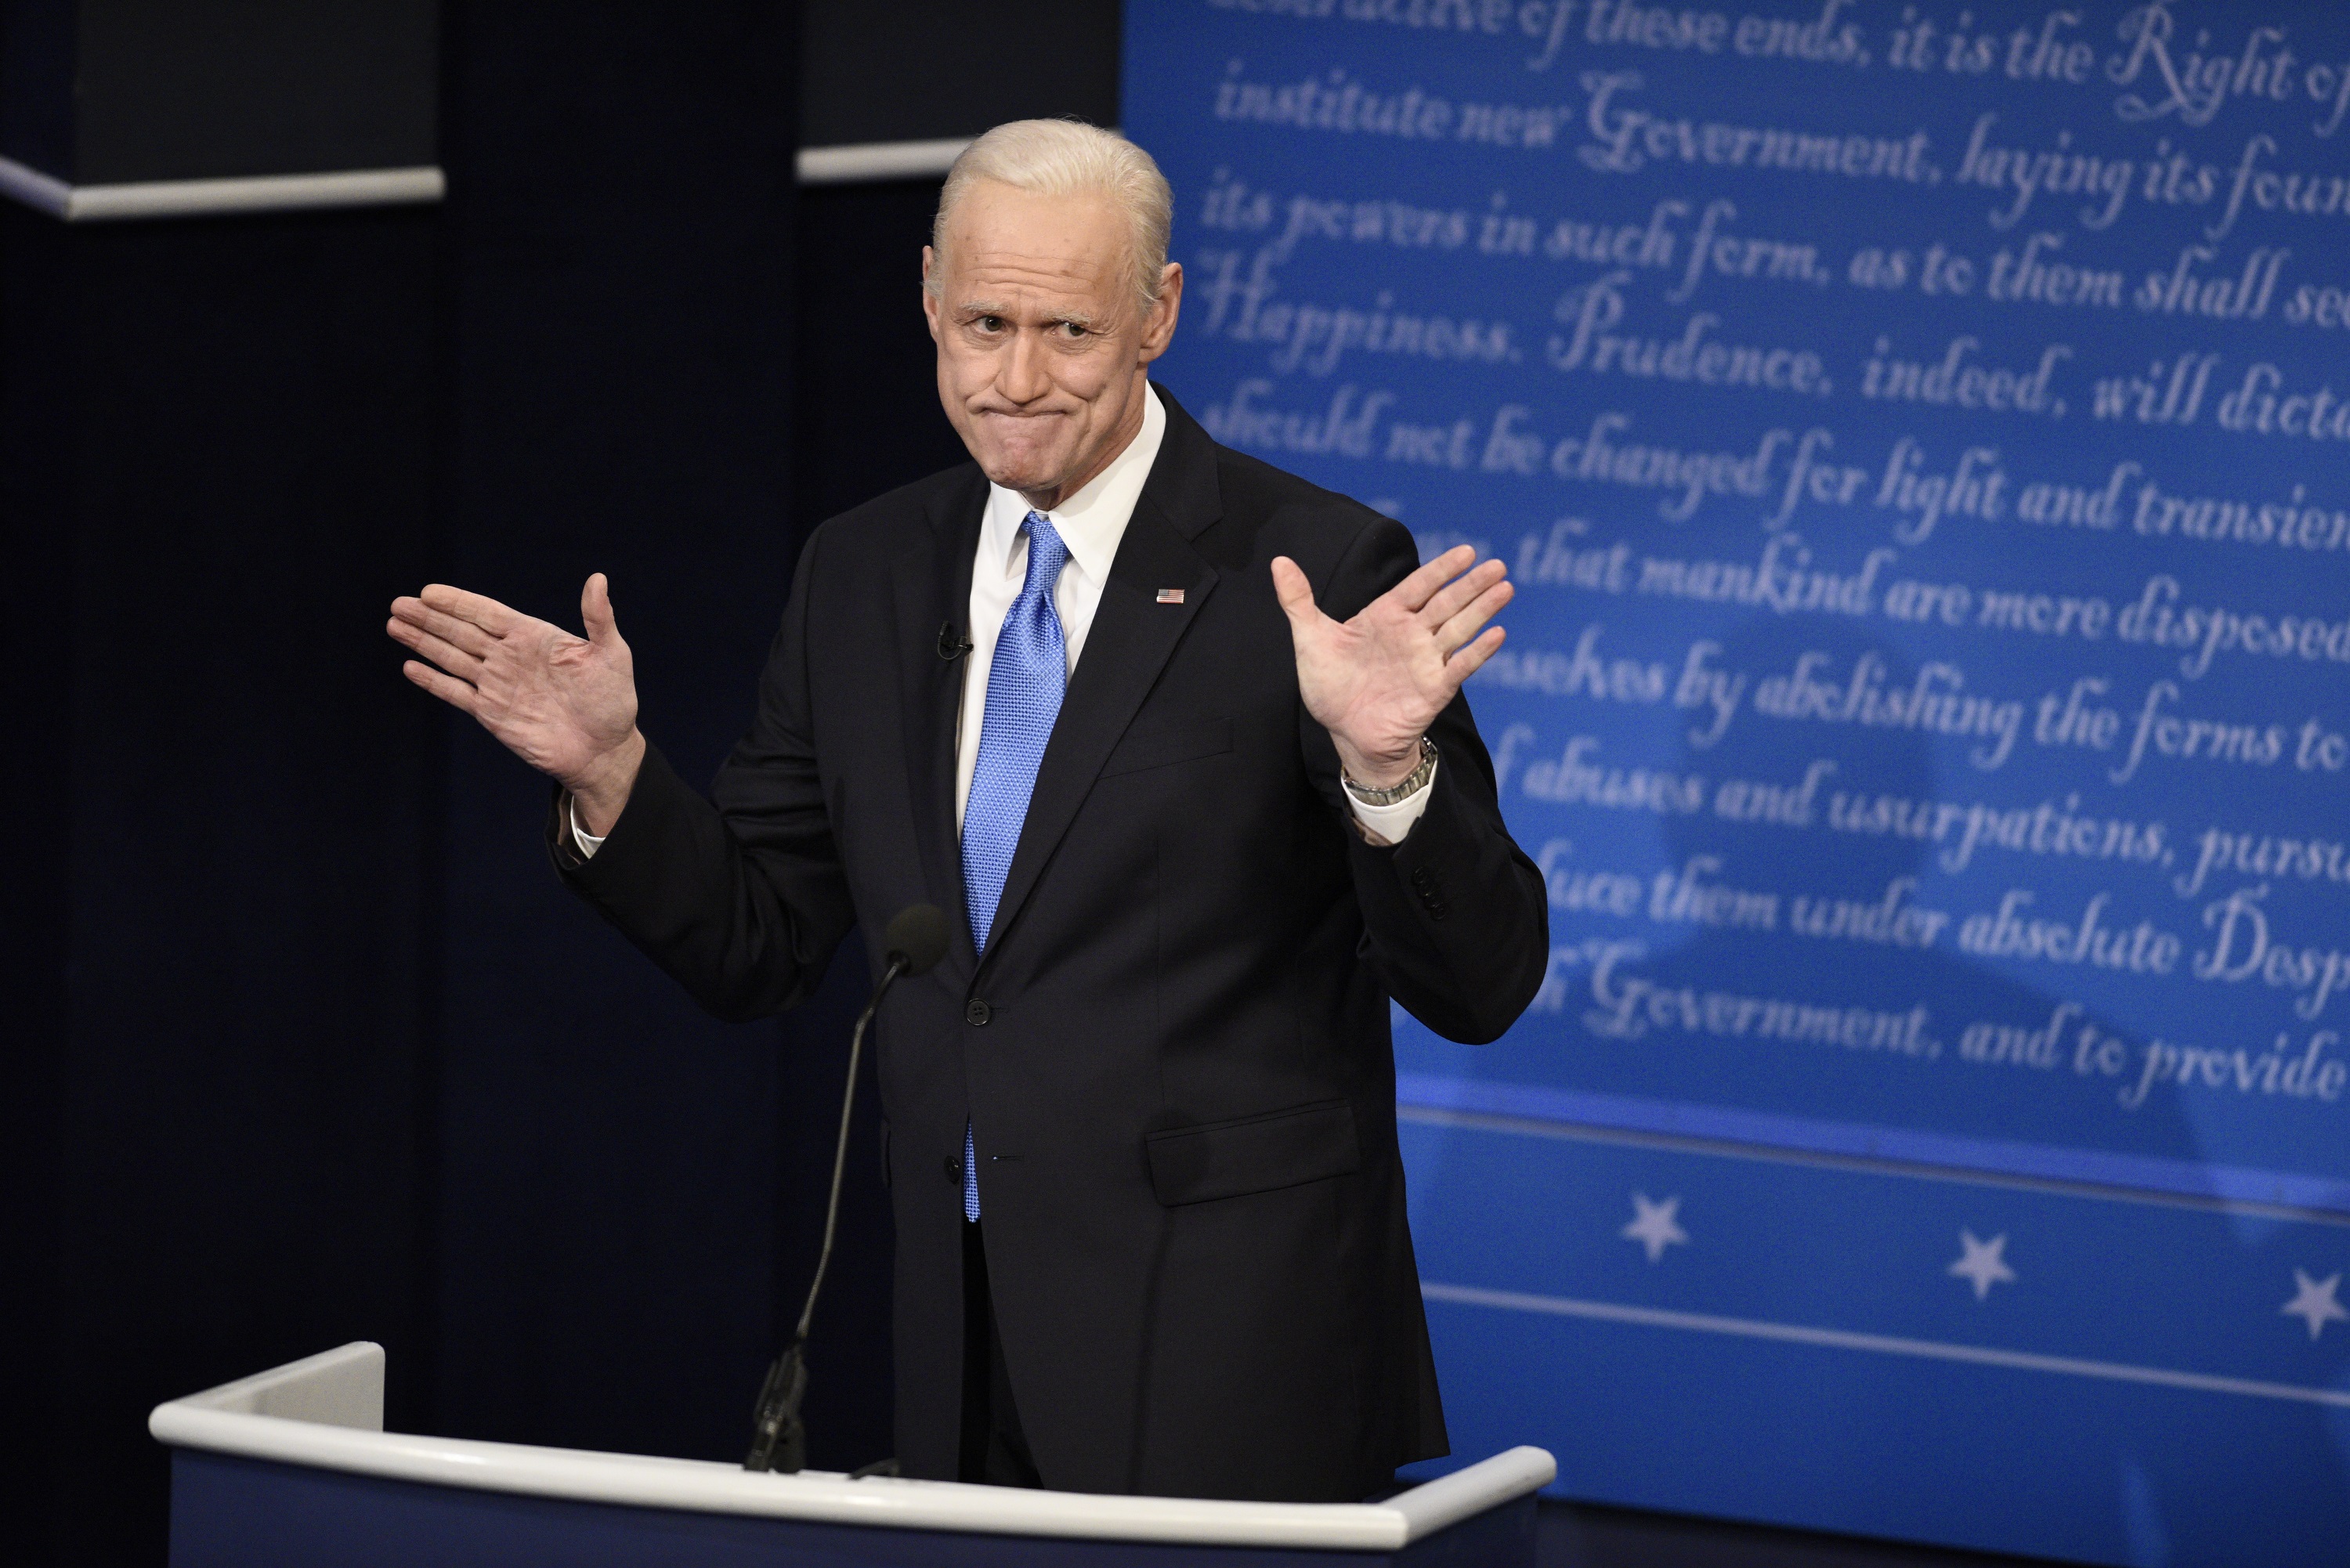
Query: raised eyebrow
977,307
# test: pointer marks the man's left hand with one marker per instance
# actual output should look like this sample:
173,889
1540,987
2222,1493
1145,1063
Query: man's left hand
1377,682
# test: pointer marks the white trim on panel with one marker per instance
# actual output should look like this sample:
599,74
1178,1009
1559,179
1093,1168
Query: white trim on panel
35,189
199,198
871,160
866,162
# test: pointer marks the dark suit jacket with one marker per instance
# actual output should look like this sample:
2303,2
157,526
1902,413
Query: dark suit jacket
1176,1054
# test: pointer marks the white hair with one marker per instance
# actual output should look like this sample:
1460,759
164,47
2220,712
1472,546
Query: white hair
1067,158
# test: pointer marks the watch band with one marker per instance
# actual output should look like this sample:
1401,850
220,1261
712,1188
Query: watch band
1417,780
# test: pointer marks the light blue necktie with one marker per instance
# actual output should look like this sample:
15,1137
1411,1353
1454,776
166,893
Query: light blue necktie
1025,686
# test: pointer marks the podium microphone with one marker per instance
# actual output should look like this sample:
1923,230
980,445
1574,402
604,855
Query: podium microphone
914,942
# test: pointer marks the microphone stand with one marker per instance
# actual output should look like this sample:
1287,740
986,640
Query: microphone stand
779,1436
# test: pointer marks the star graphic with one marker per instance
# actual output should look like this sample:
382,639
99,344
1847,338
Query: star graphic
1982,1264
1653,1225
2316,1304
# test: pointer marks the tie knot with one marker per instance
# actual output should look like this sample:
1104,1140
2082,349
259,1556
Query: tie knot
1046,553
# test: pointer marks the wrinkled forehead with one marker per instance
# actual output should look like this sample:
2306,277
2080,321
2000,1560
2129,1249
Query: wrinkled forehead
1004,243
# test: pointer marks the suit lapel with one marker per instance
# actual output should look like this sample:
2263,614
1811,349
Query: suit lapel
1132,637
931,587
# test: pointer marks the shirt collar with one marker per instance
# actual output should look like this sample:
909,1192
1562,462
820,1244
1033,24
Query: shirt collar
1093,521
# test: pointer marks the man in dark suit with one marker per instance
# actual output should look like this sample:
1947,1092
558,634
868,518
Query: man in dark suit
1179,738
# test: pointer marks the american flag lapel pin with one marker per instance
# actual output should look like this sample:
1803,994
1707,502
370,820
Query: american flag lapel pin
1170,595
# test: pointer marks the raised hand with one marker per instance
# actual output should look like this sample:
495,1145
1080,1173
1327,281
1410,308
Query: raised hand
565,705
1377,682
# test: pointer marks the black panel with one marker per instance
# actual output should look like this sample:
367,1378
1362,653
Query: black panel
36,65
870,419
310,1045
933,68
170,91
37,426
620,180
232,454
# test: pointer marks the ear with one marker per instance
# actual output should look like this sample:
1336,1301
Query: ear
930,300
1159,328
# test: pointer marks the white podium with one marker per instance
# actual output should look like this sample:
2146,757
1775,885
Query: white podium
293,1467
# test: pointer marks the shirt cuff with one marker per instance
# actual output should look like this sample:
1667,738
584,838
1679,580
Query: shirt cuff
1387,825
588,843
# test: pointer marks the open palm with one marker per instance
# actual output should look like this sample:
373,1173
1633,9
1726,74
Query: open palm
564,704
1377,681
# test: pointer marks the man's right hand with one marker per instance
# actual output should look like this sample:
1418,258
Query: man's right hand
565,705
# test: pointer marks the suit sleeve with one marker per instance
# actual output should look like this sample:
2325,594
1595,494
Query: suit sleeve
742,901
1456,912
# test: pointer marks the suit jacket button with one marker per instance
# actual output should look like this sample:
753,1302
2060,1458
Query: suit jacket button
1423,880
1438,909
976,1013
954,1169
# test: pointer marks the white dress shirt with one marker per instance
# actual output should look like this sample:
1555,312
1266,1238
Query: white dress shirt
1091,522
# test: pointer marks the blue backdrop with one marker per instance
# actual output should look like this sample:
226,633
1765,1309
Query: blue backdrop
1918,435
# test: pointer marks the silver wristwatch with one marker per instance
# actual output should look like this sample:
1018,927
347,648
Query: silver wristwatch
1418,780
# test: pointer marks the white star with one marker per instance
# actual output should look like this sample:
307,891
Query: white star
1982,1264
1653,1225
2316,1304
